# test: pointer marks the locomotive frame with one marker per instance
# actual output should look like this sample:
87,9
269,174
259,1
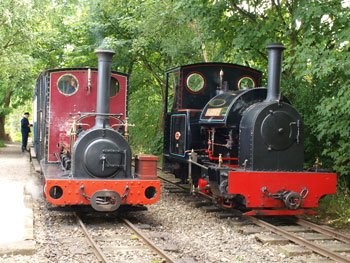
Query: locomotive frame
242,145
81,140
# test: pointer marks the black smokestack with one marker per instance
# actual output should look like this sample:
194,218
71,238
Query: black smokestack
274,71
103,86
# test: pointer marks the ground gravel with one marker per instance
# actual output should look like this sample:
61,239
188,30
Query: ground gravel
204,237
189,234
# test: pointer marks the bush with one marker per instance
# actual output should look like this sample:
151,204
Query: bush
336,208
334,132
145,112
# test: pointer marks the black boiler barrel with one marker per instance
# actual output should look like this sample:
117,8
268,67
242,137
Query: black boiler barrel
103,86
274,71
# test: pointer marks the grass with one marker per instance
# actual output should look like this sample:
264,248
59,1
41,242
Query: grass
2,143
335,209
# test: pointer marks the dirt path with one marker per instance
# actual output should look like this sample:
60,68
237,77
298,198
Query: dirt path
15,174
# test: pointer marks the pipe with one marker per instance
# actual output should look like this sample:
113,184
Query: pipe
274,71
103,86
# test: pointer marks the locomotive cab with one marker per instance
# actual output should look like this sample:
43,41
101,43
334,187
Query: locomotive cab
188,90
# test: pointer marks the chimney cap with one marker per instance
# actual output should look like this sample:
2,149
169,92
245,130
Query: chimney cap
104,51
276,46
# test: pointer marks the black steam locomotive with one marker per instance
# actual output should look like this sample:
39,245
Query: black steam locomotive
243,144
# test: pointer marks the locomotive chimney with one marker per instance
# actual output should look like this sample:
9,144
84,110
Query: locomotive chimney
103,86
274,71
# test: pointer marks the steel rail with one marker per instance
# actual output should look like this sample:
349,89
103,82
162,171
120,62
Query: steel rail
296,239
173,183
186,188
300,241
323,230
148,241
97,251
182,187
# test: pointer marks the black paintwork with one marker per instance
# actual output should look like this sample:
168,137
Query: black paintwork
185,100
271,138
101,153
237,102
274,71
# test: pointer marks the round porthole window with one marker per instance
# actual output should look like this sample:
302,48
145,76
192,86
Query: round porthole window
246,83
68,84
195,82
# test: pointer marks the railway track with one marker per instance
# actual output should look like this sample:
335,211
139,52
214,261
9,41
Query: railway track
296,237
300,238
107,237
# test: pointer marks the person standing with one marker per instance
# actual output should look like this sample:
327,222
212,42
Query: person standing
25,130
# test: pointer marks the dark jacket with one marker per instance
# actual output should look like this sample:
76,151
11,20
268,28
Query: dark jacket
25,125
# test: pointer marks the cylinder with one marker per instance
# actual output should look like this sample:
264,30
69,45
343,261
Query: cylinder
103,87
274,71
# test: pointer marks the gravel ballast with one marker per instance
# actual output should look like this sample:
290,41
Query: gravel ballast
189,234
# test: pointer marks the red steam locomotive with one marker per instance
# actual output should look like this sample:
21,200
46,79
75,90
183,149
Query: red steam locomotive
81,140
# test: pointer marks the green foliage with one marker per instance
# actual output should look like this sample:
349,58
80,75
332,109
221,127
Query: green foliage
150,36
336,207
316,59
13,125
2,144
146,106
15,39
16,64
333,129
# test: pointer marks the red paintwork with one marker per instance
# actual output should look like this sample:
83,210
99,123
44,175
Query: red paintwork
72,190
146,166
62,106
235,166
63,110
202,184
212,158
250,184
280,212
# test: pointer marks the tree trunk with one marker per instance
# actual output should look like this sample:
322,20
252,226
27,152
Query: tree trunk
2,127
6,104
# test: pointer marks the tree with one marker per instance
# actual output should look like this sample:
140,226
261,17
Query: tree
316,59
34,35
15,65
149,37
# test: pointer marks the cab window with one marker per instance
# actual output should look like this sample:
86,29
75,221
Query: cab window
68,84
114,87
195,82
246,83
